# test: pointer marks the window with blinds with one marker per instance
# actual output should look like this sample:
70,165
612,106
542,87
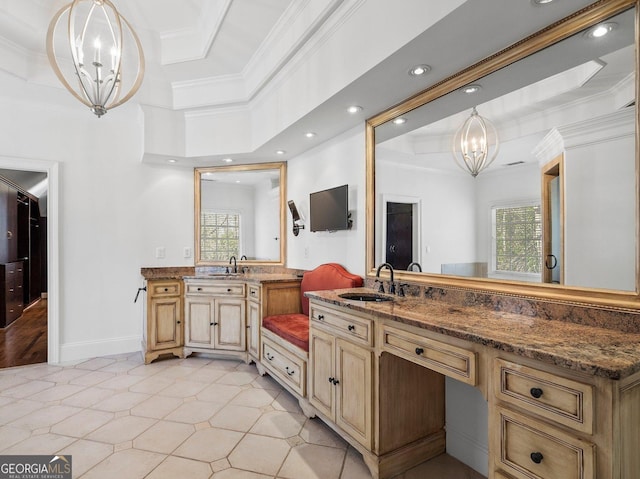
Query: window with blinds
517,238
220,235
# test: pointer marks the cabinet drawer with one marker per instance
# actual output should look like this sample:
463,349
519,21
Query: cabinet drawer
561,400
441,357
530,449
288,367
226,289
253,292
164,288
350,326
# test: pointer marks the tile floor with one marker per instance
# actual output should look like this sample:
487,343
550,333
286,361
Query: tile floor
176,418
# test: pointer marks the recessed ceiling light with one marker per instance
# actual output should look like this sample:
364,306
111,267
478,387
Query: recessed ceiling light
541,2
309,134
172,160
400,121
419,70
280,152
470,89
353,109
227,160
601,30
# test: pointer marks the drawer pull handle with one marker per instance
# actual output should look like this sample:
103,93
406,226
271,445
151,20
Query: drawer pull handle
178,322
321,317
419,351
253,293
166,289
537,457
228,290
351,327
248,326
536,392
290,372
331,380
213,324
199,289
336,382
269,357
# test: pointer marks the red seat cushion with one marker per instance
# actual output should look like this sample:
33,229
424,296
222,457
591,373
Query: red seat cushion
290,327
327,276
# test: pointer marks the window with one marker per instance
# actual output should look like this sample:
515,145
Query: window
220,235
517,238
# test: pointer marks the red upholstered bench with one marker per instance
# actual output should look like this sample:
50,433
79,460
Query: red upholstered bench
294,328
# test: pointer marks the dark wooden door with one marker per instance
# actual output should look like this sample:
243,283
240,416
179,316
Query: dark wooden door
399,235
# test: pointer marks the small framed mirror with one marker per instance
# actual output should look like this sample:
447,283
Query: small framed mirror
240,212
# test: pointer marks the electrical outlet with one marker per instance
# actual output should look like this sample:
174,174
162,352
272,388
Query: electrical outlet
187,252
160,252
306,252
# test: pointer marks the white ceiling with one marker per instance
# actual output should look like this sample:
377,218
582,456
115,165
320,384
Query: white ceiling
204,54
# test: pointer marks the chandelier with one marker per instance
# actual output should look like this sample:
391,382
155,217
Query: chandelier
475,144
95,38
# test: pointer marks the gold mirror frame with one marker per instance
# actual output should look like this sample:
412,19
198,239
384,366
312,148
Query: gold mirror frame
281,167
554,33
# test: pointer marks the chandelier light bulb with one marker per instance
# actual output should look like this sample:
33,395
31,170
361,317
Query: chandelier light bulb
95,30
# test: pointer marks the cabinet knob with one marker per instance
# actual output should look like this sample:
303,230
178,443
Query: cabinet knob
248,326
537,457
199,289
253,293
228,290
166,289
331,380
269,356
336,382
536,392
177,322
213,324
321,317
419,351
290,372
351,327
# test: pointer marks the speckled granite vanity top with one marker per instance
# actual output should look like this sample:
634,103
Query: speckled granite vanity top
597,351
190,273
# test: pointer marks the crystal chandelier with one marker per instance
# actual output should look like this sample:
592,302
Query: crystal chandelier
475,144
96,35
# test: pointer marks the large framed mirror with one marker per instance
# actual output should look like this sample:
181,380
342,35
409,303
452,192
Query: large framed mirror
555,214
240,212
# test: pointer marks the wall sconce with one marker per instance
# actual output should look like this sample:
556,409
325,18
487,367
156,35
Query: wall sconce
296,218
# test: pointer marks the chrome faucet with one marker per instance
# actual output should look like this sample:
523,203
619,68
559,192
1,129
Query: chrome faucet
392,286
410,267
235,264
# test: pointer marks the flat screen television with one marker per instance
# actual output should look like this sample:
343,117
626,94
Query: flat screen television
329,209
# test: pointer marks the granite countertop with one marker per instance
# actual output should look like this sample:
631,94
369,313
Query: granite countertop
189,272
596,351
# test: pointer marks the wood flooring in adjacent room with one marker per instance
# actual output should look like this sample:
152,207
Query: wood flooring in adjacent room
25,340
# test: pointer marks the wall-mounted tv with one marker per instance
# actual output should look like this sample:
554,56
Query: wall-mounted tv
329,209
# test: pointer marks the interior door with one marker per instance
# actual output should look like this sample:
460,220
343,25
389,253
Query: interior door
399,252
552,219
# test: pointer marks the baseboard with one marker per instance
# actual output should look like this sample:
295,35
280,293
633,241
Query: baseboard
468,451
92,349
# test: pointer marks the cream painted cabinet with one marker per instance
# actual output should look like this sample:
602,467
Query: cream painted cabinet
253,321
163,319
215,317
340,383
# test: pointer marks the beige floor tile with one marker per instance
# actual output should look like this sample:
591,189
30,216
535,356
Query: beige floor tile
240,474
88,397
223,364
121,401
163,436
253,397
195,361
120,382
40,444
238,378
45,417
37,371
178,372
91,378
4,401
121,366
266,382
24,391
9,381
442,467
259,454
313,462
150,369
209,444
86,454
354,466
219,393
183,388
95,364
207,375
18,409
280,424
127,464
236,418
57,392
121,429
286,402
194,412
317,432
178,467
156,407
66,375
82,423
152,385
12,435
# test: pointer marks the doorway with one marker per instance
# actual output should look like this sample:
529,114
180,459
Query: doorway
401,226
553,221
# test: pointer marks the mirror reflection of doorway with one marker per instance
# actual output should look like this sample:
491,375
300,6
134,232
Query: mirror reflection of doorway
400,234
552,214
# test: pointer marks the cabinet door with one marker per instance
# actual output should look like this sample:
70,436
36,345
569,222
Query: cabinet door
199,322
165,328
321,372
353,391
253,326
230,325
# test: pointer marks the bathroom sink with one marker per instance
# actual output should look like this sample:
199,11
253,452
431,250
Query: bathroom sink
222,275
365,297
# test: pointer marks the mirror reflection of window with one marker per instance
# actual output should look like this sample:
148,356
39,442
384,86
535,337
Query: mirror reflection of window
219,235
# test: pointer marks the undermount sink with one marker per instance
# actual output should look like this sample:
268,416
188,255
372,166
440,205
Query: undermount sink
222,275
365,297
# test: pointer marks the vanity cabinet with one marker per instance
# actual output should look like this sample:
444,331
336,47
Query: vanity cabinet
11,292
253,320
341,365
163,319
215,317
